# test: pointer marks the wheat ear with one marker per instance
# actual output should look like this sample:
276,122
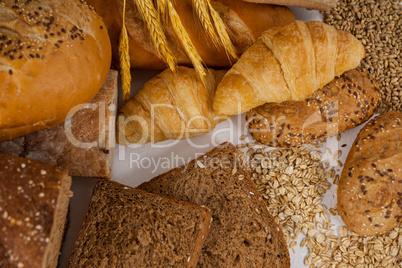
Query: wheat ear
202,10
162,7
222,32
149,14
188,46
124,56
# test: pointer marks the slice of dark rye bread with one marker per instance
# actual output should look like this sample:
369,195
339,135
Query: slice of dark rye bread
127,227
34,199
243,233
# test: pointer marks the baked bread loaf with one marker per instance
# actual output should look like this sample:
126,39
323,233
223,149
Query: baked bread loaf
244,21
370,187
288,62
34,198
127,227
310,4
172,105
243,233
84,144
53,56
347,101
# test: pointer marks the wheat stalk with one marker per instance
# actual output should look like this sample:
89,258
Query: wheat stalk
202,10
149,13
124,59
222,32
188,46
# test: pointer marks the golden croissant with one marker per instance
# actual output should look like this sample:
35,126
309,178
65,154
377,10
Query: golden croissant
171,105
288,62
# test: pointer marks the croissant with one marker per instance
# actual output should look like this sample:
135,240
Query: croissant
288,62
171,105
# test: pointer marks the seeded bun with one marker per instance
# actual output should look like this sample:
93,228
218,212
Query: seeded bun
370,188
53,56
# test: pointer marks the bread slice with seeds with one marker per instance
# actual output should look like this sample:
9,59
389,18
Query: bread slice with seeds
127,227
34,198
243,233
344,103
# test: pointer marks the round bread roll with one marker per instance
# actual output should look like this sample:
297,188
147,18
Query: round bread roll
53,56
370,188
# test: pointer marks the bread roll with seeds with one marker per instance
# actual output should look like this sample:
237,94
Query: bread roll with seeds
34,199
288,62
53,56
344,103
370,187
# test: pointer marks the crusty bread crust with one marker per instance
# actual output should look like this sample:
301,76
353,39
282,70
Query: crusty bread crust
54,55
370,188
86,148
344,103
243,233
245,22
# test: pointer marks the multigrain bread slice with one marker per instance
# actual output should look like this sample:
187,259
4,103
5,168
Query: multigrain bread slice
84,144
243,233
127,227
370,187
34,199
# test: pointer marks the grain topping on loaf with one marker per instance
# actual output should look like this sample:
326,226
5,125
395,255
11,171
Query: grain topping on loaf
344,103
30,206
370,189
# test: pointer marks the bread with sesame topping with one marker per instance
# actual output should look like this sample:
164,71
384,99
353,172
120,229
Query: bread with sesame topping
34,199
54,55
370,187
84,144
127,227
344,103
243,233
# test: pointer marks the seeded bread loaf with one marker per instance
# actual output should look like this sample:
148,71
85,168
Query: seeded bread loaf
84,144
243,233
344,103
53,55
370,188
127,227
34,198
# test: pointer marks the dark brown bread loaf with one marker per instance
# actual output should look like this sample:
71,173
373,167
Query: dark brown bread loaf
344,103
127,227
88,149
34,198
243,233
370,188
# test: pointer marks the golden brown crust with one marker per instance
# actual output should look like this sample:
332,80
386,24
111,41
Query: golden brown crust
245,23
172,105
287,63
55,55
370,188
87,148
344,103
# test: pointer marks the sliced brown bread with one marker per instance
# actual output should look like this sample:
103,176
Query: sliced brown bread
34,199
127,227
243,233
